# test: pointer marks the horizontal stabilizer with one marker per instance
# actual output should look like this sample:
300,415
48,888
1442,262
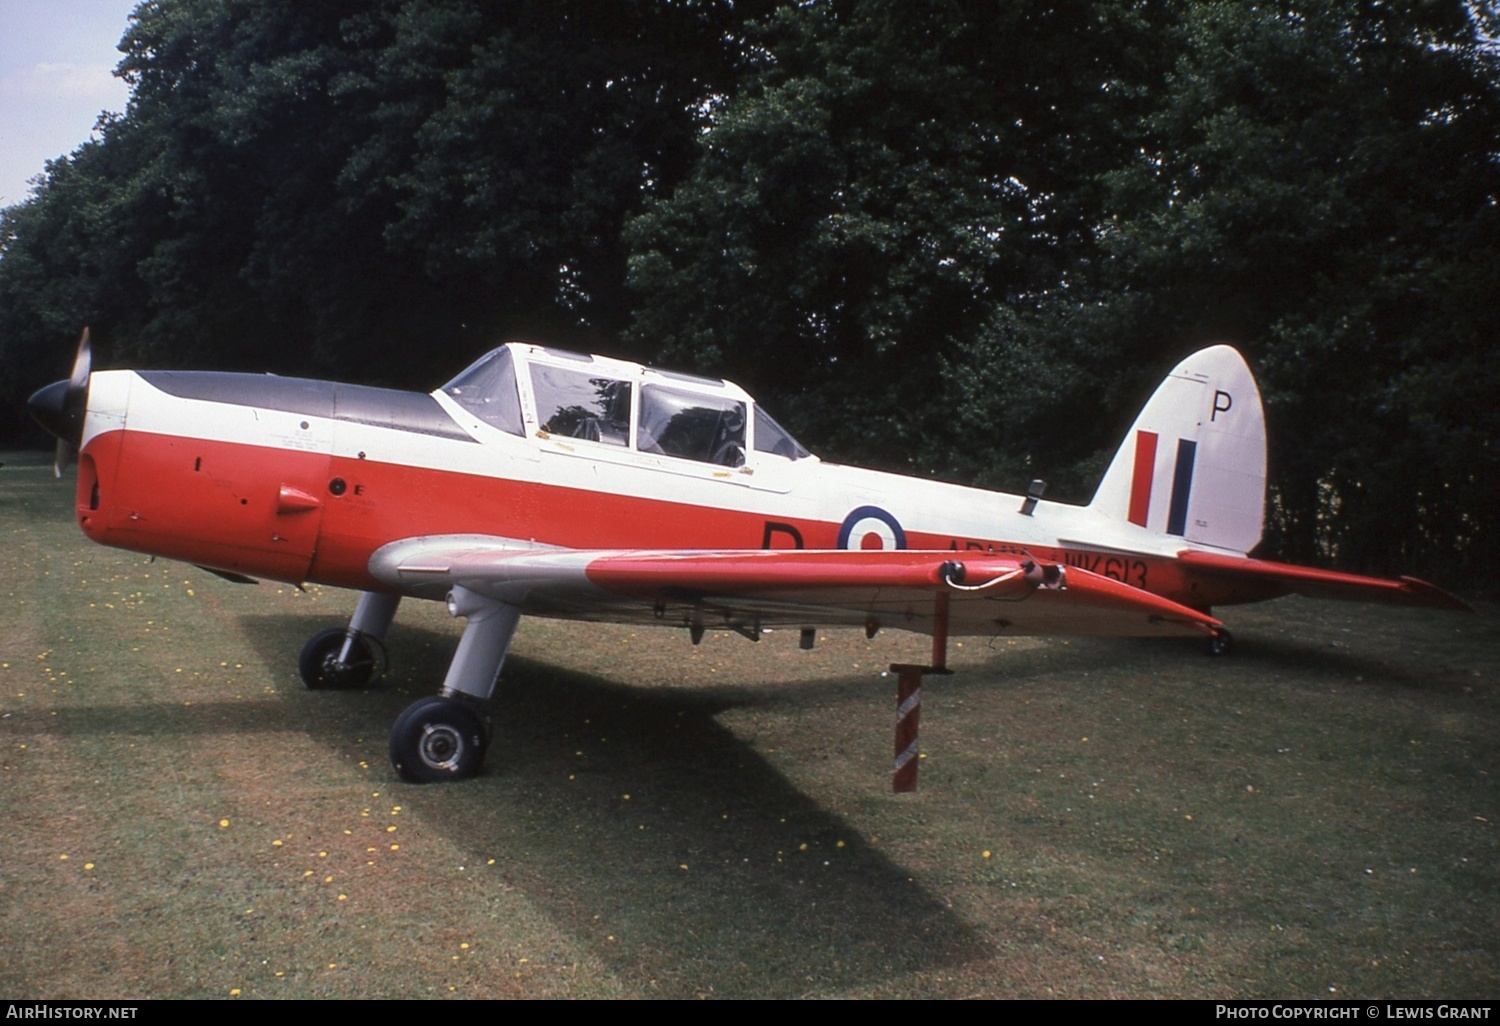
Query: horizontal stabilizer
1324,584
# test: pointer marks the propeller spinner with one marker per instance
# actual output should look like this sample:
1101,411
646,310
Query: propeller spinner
60,406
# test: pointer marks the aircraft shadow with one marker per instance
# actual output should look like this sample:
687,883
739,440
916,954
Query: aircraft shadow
714,863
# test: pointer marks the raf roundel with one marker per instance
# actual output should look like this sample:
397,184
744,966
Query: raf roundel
870,527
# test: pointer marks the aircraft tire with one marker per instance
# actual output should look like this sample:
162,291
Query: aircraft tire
319,667
437,739
1220,643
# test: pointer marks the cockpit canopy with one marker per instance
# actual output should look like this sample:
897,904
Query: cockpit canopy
613,402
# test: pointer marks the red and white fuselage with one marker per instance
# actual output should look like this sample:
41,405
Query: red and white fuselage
301,480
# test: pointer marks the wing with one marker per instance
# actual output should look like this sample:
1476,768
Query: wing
746,590
1323,584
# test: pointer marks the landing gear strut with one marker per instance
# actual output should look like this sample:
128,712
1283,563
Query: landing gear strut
441,737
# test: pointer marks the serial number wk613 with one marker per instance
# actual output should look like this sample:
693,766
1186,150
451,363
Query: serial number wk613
1117,568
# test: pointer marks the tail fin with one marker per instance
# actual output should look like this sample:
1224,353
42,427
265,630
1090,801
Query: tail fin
1194,462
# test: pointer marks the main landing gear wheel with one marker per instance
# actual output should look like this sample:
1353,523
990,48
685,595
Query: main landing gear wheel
320,667
437,739
1220,643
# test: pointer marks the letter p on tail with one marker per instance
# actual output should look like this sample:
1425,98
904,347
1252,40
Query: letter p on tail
1194,462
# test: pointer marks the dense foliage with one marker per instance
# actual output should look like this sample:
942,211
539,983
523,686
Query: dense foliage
960,239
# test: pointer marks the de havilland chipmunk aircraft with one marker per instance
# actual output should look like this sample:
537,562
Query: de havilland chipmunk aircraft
557,484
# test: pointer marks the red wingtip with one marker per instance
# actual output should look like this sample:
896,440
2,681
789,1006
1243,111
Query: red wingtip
1432,595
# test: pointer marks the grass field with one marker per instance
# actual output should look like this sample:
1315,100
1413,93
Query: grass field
1316,816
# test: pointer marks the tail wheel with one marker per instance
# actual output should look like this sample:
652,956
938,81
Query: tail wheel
1220,643
437,739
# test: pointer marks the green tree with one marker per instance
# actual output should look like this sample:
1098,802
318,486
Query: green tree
1318,183
980,235
889,177
375,190
962,239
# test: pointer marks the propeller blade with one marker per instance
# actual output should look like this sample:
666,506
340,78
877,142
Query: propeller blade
75,403
61,406
83,363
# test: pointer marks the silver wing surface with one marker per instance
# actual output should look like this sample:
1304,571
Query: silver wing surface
745,590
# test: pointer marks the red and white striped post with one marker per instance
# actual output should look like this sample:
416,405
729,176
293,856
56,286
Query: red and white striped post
908,716
909,700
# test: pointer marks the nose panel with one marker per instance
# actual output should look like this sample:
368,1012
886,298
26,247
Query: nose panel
215,503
